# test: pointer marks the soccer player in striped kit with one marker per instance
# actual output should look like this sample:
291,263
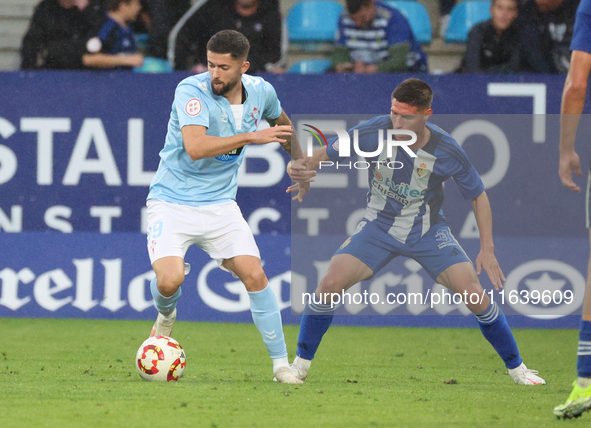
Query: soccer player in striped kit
404,217
573,100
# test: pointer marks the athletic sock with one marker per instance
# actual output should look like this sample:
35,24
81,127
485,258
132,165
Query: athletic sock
315,321
584,353
165,305
267,318
302,363
280,362
495,329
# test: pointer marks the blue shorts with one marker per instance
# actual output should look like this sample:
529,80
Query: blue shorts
435,251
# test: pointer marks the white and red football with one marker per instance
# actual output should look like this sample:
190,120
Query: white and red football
160,358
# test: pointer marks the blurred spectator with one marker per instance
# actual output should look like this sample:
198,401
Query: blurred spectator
493,45
56,37
445,8
553,22
258,20
373,37
163,15
113,45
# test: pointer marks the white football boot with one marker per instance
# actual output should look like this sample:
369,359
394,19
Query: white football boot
524,376
163,325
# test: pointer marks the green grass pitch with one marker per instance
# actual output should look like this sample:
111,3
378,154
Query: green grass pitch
81,373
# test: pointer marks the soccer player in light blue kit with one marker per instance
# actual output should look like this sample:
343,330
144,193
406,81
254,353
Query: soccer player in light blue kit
192,197
573,100
404,217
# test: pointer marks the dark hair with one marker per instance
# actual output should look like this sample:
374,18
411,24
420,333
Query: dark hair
353,6
229,41
111,5
414,92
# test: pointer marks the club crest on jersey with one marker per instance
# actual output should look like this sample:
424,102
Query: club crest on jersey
193,107
256,114
421,171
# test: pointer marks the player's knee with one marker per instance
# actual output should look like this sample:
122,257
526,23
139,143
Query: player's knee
255,280
169,283
331,284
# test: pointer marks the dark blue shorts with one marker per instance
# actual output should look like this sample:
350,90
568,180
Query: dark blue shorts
435,251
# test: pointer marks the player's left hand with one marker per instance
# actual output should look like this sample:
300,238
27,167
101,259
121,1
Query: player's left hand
488,261
298,171
301,188
569,163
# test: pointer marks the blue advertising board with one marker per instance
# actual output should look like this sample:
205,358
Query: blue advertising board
78,151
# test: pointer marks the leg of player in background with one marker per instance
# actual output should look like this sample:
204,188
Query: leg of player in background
166,291
343,272
460,278
579,400
265,312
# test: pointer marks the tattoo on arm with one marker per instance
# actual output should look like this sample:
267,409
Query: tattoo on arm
294,150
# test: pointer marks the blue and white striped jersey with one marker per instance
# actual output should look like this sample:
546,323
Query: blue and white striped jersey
406,202
370,45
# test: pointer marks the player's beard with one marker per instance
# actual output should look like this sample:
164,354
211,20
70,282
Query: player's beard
225,87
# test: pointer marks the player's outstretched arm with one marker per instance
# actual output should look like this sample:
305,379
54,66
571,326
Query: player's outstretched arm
291,143
486,258
573,101
199,145
302,171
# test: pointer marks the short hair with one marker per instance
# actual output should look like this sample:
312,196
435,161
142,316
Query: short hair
353,6
414,92
111,5
229,42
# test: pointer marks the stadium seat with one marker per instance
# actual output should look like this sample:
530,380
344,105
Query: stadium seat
311,66
313,20
463,16
417,17
154,65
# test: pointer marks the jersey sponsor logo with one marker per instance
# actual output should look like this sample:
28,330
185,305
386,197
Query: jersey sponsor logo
230,155
400,192
193,107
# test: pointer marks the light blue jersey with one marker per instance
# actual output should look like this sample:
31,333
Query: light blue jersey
212,180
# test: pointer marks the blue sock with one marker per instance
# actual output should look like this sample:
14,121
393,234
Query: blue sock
165,305
584,354
315,322
267,318
495,329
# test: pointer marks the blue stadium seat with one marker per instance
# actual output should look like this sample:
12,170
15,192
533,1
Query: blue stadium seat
154,65
313,20
311,66
417,17
463,16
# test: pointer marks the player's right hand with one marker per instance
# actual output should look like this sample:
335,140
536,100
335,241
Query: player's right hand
569,163
277,133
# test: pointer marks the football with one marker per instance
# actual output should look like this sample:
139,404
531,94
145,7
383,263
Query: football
160,359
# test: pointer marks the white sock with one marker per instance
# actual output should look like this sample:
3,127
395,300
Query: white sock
584,382
279,362
302,363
